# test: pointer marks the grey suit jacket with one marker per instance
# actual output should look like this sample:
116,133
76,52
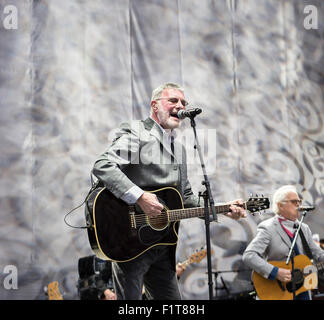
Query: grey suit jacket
272,243
140,155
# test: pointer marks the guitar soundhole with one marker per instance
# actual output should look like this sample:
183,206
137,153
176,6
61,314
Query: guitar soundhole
160,222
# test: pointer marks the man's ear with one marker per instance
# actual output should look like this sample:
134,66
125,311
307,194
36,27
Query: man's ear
153,105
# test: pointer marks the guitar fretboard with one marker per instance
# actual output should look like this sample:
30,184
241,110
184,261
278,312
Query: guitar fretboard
174,215
179,214
159,222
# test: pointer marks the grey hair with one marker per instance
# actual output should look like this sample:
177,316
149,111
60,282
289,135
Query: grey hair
156,93
280,195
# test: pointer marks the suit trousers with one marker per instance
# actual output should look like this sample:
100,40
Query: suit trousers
153,269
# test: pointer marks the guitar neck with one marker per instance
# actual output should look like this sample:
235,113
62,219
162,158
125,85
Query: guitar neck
185,263
179,214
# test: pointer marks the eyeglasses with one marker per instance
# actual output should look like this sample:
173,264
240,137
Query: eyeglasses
294,201
175,101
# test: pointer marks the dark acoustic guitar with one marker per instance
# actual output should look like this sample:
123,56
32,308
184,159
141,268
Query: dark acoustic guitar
120,232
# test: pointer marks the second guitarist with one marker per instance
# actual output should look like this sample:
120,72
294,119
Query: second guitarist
267,253
145,156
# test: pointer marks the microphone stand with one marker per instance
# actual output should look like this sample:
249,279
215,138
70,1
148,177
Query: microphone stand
291,254
208,200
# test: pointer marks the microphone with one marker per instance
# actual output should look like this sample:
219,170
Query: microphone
306,208
190,113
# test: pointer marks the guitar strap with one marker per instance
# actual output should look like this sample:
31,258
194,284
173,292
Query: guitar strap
303,239
305,245
172,149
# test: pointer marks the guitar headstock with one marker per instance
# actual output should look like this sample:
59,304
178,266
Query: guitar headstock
53,291
255,204
198,256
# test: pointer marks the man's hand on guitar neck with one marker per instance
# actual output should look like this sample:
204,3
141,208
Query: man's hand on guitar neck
150,204
237,210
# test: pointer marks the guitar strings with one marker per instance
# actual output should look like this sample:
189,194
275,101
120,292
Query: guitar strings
142,218
174,213
165,217
190,213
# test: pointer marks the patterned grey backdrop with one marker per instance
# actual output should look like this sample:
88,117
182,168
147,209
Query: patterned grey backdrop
73,70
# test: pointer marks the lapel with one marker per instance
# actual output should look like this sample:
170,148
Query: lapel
284,236
155,131
179,156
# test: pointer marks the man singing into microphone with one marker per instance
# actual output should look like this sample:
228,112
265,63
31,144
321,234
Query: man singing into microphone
145,156
274,238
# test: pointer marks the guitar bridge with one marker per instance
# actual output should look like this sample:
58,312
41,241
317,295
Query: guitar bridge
133,221
132,216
